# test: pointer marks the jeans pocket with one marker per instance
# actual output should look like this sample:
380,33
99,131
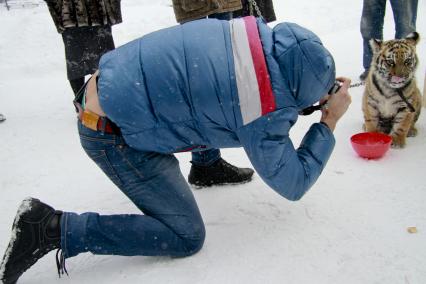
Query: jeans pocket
100,157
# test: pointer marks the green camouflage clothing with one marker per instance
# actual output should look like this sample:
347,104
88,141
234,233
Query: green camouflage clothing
83,13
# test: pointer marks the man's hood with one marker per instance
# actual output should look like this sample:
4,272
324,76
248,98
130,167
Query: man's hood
307,66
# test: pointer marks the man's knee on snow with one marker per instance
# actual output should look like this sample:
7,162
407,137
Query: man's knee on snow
194,241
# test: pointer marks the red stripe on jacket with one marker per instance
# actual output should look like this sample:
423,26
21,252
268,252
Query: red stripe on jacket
267,98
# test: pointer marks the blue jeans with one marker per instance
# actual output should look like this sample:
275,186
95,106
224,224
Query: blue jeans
373,14
208,157
205,158
171,224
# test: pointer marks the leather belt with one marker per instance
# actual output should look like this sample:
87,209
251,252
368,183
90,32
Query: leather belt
92,120
98,123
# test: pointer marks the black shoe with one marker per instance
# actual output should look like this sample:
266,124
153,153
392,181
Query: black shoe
221,172
363,75
35,231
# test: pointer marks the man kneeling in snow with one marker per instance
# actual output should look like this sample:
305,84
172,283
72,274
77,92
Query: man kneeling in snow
204,84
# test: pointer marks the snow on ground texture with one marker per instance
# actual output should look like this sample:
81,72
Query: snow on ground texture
350,228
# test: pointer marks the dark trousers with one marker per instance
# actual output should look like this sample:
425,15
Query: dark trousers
77,84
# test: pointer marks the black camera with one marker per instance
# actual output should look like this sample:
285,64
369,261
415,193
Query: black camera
335,88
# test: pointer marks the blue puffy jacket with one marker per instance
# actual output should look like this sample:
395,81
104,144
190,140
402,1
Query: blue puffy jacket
187,88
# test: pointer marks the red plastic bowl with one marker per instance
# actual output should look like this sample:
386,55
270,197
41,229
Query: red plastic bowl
371,145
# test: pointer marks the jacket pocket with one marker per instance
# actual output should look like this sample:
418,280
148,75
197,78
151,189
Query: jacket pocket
193,5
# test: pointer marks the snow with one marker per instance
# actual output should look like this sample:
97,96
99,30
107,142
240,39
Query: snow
350,228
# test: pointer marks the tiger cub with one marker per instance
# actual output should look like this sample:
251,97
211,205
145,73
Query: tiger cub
392,101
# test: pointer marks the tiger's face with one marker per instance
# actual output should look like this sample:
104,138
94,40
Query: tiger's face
395,61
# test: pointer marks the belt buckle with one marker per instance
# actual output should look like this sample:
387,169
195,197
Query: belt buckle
90,120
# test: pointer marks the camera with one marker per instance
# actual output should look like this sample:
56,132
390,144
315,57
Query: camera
309,110
335,88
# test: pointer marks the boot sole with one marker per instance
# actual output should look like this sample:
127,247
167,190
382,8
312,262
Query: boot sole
196,186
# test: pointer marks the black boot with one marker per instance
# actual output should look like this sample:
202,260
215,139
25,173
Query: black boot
35,231
220,172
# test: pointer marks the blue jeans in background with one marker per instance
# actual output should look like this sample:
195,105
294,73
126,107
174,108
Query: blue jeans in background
208,157
373,14
171,224
205,158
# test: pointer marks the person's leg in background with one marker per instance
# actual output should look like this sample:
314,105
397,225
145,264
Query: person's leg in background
76,84
372,19
405,17
208,157
84,47
208,168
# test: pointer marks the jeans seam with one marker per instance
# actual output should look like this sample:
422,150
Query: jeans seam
130,164
111,168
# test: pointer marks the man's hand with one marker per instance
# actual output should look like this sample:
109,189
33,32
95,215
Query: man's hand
337,104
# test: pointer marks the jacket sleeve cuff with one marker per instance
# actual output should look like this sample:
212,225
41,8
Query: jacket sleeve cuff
320,140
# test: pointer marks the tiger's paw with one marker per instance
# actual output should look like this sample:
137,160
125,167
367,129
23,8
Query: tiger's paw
398,142
412,132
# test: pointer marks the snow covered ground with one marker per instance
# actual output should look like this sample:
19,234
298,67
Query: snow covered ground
350,228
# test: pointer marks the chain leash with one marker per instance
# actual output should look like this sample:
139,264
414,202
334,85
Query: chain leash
253,4
357,84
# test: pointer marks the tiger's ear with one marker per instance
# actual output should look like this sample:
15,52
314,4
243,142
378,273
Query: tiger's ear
413,37
375,44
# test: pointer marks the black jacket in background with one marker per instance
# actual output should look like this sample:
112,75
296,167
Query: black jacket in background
266,8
